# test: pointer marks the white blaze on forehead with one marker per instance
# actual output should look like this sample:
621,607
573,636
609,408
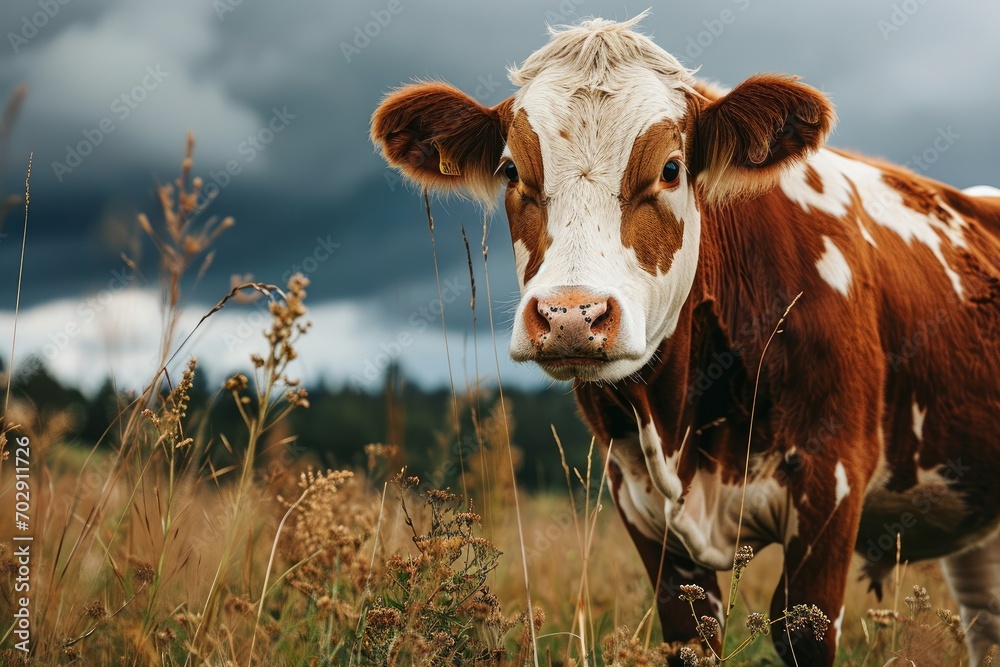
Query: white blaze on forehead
843,488
590,92
833,267
588,95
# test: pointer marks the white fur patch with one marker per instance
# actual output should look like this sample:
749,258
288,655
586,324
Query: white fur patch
833,267
885,206
843,488
974,579
838,625
588,95
919,415
867,236
836,193
521,258
662,471
982,191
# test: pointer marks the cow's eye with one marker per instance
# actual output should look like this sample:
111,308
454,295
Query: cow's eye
510,172
671,171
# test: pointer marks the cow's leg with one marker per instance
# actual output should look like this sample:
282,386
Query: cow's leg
974,578
667,572
816,569
672,572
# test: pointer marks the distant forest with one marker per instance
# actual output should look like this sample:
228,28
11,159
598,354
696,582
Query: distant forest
340,422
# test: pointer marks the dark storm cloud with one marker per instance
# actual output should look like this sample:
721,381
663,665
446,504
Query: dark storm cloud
900,73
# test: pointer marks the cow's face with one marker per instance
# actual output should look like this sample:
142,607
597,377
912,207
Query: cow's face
607,157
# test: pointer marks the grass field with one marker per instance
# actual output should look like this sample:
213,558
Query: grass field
161,577
161,546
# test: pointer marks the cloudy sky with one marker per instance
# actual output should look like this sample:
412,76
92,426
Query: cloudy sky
114,86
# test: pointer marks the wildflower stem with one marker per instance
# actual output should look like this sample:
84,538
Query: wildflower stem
267,571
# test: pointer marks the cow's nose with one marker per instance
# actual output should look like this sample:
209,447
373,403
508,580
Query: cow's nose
572,322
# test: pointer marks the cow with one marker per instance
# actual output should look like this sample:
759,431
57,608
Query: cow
662,226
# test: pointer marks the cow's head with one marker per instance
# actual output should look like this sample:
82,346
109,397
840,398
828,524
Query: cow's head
607,156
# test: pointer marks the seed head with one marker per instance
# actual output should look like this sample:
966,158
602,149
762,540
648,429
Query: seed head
95,610
758,623
807,615
743,557
709,627
691,593
142,572
919,601
882,618
688,657
953,623
238,382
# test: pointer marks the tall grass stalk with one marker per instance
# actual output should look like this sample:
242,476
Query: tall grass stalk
510,455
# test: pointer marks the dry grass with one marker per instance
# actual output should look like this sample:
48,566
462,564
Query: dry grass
162,547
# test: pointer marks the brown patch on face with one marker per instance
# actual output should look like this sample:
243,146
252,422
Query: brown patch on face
813,179
648,225
525,200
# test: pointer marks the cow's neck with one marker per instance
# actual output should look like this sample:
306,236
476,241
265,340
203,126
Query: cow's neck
703,372
686,418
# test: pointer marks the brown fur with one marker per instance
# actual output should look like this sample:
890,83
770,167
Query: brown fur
844,373
442,139
745,138
525,200
647,227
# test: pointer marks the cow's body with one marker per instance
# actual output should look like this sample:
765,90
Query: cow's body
882,391
876,405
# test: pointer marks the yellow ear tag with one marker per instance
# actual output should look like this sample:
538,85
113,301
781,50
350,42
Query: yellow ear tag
446,166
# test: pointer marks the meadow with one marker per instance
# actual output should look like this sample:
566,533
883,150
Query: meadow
167,542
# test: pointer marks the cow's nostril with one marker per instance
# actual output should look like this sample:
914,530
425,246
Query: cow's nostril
604,315
538,320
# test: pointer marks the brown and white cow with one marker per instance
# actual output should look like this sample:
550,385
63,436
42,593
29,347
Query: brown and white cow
661,227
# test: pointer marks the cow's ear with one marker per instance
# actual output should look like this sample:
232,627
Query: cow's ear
744,140
442,139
